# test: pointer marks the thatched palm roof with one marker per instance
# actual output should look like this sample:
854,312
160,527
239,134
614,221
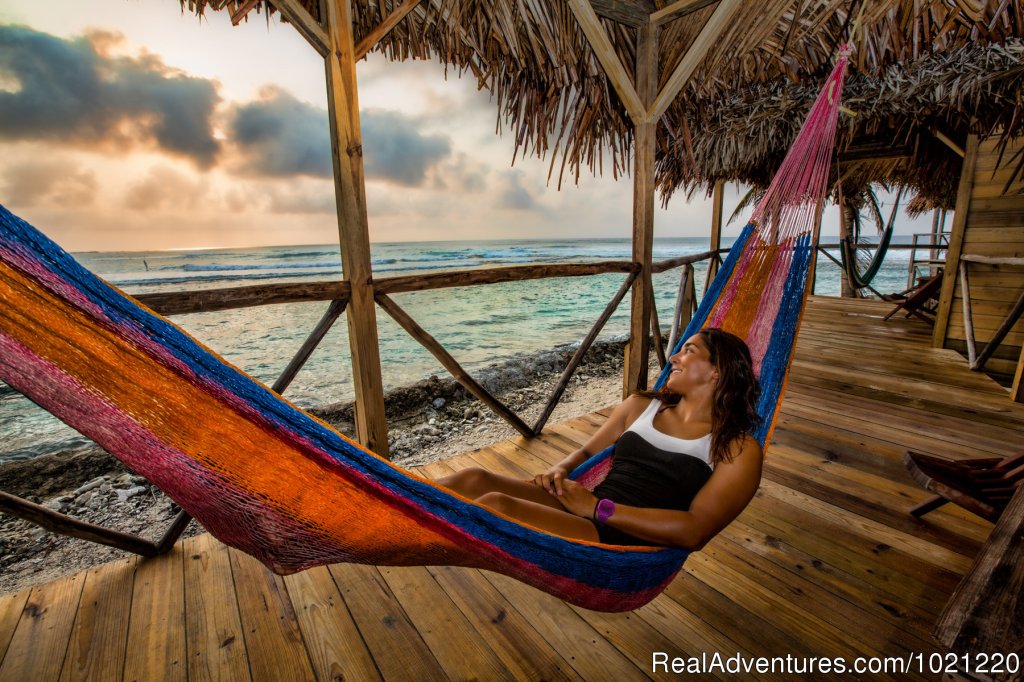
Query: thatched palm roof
953,66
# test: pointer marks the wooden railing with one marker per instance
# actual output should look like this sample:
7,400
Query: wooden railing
177,303
337,293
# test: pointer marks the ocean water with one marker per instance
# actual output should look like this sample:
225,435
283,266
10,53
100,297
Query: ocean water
479,325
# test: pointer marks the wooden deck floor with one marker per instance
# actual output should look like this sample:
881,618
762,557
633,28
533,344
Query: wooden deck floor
824,562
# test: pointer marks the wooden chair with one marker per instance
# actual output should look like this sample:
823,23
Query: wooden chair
921,300
981,486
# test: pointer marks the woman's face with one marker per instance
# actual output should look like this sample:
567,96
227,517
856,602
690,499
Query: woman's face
691,367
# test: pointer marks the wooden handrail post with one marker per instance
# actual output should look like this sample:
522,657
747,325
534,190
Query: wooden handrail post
644,141
717,199
350,193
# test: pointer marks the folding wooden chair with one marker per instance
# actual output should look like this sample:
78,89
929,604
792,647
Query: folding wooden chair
981,486
921,301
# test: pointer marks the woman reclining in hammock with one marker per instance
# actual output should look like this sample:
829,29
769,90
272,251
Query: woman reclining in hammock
684,463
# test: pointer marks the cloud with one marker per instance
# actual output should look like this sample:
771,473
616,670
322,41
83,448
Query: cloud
395,150
73,91
49,181
461,173
282,136
164,188
513,195
295,199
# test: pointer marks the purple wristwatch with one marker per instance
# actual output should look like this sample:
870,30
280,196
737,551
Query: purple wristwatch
604,510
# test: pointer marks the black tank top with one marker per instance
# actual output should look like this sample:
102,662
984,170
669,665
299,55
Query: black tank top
643,475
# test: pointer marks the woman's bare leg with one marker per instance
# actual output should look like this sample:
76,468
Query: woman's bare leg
556,521
474,483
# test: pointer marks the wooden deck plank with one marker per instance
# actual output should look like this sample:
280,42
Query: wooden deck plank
40,640
272,638
11,606
824,561
99,636
213,628
590,654
335,647
397,647
458,647
524,652
156,629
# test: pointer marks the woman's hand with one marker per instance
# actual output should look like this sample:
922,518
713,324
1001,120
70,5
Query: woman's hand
577,499
551,480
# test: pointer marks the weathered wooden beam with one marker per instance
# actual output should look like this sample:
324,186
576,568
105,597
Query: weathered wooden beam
334,311
350,191
992,260
633,13
577,357
451,364
659,345
514,273
1000,334
965,296
946,140
644,143
72,527
304,23
371,39
677,9
717,201
1017,388
241,11
209,300
684,307
230,298
956,242
673,263
610,62
719,22
986,612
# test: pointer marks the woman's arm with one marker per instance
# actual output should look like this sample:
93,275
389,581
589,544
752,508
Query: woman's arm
723,497
621,417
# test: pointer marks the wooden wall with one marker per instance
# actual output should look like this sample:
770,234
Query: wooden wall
988,222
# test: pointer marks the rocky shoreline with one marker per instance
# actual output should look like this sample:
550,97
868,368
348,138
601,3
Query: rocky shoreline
429,420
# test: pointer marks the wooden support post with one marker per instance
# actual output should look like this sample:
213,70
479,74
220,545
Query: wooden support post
659,345
846,232
984,613
304,23
1017,390
717,199
616,73
371,39
956,241
1000,334
685,284
815,240
451,364
965,295
72,527
716,26
350,192
577,357
334,311
644,140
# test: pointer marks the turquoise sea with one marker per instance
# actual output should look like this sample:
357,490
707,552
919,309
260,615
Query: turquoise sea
479,325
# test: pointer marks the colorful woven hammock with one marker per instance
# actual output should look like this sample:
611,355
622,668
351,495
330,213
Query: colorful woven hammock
265,477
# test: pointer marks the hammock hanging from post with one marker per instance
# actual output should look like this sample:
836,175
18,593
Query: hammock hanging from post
265,477
760,290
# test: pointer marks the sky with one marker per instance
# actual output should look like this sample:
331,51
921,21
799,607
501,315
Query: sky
128,125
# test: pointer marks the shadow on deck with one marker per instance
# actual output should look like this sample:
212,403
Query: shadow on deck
825,562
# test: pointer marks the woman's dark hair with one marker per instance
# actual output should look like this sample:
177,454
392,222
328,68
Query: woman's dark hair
734,401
